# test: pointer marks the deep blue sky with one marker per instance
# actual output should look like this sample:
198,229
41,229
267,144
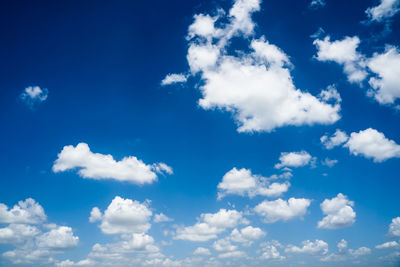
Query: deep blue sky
102,63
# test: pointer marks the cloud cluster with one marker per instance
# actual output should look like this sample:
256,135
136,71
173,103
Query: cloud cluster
309,247
339,213
242,182
256,87
345,254
99,166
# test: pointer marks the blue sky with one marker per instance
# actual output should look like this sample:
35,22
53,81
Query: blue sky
200,133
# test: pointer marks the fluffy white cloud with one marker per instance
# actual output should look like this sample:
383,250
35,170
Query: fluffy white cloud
247,234
394,228
309,247
294,159
270,251
385,9
223,245
174,78
256,87
28,211
372,144
391,244
337,139
344,254
242,182
210,225
202,251
99,166
343,52
17,233
282,210
95,215
61,237
124,216
386,85
339,213
158,218
33,95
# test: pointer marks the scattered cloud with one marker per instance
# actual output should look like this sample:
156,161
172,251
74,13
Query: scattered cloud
269,251
315,4
391,244
339,213
242,182
294,159
386,9
394,227
202,251
345,254
34,95
337,139
161,217
279,209
329,162
27,211
100,166
174,78
309,247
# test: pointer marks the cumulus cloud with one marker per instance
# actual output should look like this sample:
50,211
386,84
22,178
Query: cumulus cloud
383,11
34,95
309,247
242,182
345,254
337,139
269,251
123,216
394,227
256,87
210,225
372,144
161,217
247,234
27,211
339,213
174,78
99,166
224,245
282,210
391,244
385,86
34,241
343,52
294,159
202,251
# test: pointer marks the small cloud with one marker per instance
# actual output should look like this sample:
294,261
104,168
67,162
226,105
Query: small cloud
34,95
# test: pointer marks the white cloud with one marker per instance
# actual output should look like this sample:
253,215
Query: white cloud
17,233
210,225
391,244
242,182
174,78
246,235
124,216
394,228
343,52
329,162
61,237
33,95
372,144
158,218
385,10
315,4
385,87
28,211
232,254
202,251
224,245
337,139
99,166
344,254
282,210
339,213
294,159
309,247
95,215
256,87
270,251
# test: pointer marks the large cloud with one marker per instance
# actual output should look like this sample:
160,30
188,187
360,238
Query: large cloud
27,211
282,210
394,228
99,166
123,216
242,182
256,87
210,225
339,213
385,10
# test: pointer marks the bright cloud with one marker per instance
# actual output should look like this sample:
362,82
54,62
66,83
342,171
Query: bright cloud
123,216
99,166
256,87
385,10
202,251
391,244
309,247
337,139
394,228
269,251
161,217
242,182
372,144
339,213
34,95
27,211
282,210
174,78
210,225
294,159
